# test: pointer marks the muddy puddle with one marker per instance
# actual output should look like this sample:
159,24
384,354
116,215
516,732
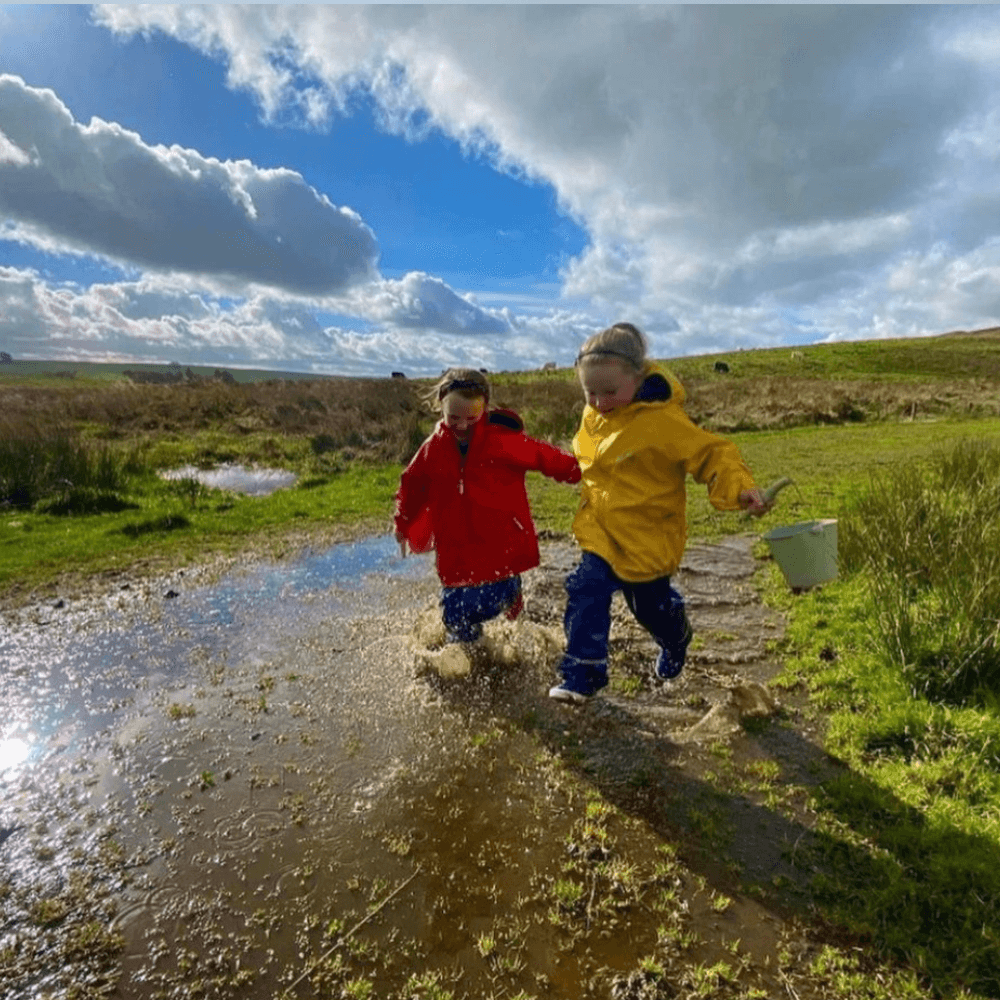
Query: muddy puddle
254,788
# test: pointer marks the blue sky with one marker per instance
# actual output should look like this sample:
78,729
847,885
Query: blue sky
360,189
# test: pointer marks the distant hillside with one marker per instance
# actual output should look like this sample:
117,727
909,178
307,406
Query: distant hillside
990,331
114,371
957,354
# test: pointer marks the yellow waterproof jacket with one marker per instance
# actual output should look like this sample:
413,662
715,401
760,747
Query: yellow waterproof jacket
635,461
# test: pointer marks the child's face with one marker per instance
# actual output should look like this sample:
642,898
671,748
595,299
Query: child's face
608,383
462,414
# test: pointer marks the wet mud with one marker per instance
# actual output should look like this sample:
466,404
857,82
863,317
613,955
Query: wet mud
254,787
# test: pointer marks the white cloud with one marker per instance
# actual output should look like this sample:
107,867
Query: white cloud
737,166
99,189
748,175
11,155
418,301
155,320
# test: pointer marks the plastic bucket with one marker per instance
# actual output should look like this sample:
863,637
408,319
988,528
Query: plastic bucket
806,553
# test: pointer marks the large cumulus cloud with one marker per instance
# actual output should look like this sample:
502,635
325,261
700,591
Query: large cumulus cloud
100,189
738,160
421,302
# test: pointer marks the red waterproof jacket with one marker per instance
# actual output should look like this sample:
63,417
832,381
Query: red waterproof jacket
474,509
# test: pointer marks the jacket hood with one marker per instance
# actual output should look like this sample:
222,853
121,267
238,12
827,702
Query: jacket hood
505,418
659,385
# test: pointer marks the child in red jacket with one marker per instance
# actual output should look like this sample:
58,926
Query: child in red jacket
463,495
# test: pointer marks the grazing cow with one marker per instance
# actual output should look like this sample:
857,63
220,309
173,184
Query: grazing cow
721,366
398,375
549,366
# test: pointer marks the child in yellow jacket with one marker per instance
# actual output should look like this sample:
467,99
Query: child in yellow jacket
636,446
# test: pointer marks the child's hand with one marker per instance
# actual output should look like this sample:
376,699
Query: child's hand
753,502
401,539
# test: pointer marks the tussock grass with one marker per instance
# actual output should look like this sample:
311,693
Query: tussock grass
777,402
928,537
37,462
907,846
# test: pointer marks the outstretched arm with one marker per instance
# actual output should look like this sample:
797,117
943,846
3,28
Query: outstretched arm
718,464
540,456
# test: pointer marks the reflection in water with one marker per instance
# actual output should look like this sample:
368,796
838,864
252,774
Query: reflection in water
239,479
76,674
12,753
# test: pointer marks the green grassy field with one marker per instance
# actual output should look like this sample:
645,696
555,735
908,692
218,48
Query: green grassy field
827,415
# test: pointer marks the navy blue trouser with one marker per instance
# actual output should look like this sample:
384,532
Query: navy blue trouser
464,609
657,606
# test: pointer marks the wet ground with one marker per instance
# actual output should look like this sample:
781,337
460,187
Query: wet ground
251,786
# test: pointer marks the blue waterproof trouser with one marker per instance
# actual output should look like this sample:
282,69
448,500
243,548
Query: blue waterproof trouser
464,609
657,606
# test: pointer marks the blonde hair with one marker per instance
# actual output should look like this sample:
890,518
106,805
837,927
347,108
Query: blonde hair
622,341
467,382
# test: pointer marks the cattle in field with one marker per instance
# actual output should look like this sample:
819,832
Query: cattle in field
398,375
549,366
721,366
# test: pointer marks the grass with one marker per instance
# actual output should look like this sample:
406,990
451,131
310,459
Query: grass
901,659
38,464
159,523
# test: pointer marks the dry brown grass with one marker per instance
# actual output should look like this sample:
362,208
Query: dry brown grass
776,402
552,409
378,417
386,419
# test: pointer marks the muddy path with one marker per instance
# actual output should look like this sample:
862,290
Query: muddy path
251,787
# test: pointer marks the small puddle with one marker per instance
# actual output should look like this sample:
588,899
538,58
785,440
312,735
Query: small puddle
237,478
